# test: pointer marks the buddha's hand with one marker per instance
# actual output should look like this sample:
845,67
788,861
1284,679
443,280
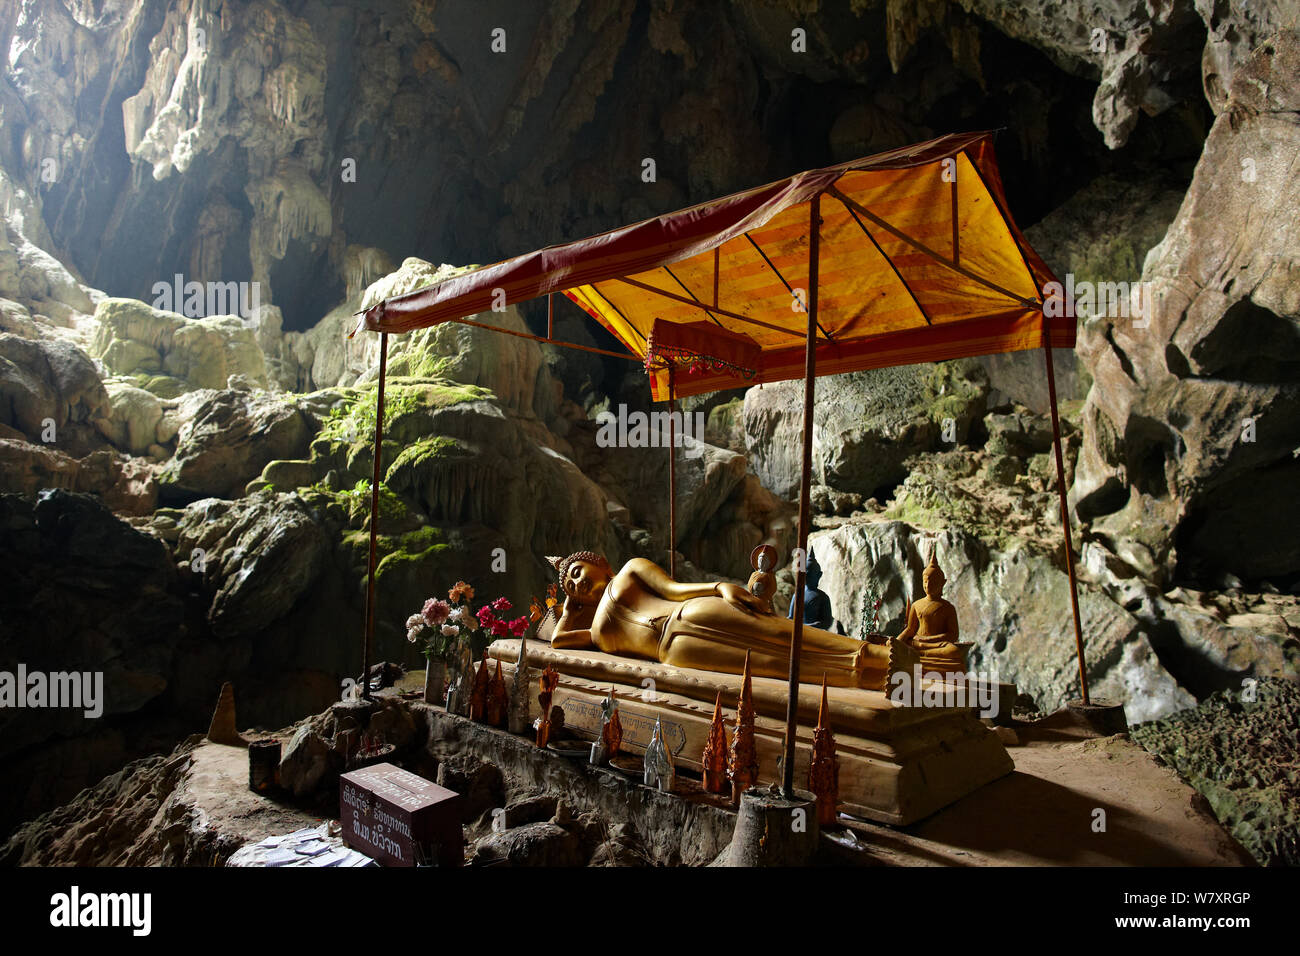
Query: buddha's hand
739,597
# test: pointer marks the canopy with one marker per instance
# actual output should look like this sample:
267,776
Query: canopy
914,258
920,262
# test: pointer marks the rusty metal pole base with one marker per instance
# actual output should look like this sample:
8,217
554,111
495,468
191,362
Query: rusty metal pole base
1106,717
772,830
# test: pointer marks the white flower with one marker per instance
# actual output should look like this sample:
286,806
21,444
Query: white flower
456,613
414,622
450,630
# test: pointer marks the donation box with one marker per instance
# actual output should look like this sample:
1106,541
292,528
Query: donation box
400,819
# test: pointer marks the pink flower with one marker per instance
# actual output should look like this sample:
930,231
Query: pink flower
435,612
501,604
450,630
518,626
500,628
485,616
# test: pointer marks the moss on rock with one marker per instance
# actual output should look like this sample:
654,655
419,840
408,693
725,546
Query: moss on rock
1240,749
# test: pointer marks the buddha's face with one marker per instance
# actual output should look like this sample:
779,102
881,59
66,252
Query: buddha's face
585,581
934,582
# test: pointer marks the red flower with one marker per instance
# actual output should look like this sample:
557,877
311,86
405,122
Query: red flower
500,628
485,616
518,626
501,604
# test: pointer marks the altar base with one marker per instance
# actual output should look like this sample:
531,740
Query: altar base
898,764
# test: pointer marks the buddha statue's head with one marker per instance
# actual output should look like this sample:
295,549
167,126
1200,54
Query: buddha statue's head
933,579
583,576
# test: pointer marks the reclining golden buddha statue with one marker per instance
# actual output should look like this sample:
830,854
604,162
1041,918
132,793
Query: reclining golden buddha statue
642,612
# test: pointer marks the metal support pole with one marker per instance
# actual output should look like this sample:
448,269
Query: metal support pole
374,517
801,569
672,475
550,316
1065,512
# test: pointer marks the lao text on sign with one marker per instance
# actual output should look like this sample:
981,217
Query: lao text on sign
399,818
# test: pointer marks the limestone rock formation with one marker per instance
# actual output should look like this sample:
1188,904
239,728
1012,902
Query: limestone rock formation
82,591
136,339
47,385
126,485
232,435
259,555
864,424
1015,605
1187,465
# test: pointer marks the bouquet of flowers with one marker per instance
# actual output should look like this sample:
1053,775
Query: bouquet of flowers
445,625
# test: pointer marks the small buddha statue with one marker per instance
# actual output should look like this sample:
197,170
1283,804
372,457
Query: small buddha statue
762,583
932,625
816,603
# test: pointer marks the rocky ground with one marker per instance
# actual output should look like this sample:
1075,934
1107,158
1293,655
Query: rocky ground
1241,751
526,807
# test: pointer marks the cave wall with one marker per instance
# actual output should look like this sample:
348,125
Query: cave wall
286,142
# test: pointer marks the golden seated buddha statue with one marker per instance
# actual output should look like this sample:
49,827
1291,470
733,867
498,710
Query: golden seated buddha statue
642,612
932,625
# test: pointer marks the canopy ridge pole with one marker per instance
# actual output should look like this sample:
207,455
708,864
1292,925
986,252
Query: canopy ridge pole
374,519
777,272
704,308
550,316
956,252
610,302
672,474
801,568
697,298
923,248
537,338
717,263
906,288
1065,510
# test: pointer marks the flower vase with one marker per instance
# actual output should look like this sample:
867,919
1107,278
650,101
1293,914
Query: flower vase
434,676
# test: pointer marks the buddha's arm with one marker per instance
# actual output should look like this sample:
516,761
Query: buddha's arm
654,578
573,629
913,624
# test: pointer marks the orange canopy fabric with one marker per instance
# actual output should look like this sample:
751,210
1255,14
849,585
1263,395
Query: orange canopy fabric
919,261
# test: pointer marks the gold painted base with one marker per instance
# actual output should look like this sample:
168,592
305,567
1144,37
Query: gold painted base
898,764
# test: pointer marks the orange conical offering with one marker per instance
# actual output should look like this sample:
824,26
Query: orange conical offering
479,695
744,757
715,752
497,699
823,767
